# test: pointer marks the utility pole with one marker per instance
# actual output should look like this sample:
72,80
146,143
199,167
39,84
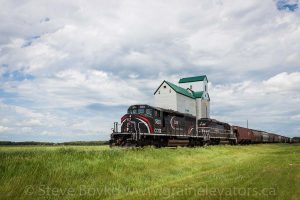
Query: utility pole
247,123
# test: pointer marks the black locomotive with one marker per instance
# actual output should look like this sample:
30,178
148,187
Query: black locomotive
147,125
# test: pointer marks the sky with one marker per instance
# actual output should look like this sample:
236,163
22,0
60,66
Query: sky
69,69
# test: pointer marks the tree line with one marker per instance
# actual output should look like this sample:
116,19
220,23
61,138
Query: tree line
79,143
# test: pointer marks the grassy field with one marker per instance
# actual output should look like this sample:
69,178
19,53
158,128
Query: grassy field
270,171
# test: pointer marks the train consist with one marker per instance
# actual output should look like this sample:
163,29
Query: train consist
146,125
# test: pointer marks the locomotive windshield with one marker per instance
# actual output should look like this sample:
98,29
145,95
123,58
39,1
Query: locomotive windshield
133,111
149,112
141,109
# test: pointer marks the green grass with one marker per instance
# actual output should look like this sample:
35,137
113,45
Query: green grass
270,171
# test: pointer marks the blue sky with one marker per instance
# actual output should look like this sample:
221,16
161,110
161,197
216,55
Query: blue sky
68,70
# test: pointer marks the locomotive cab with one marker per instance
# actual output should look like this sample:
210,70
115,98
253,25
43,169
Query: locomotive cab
139,119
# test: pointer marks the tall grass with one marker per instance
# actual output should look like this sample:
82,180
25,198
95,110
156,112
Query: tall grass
98,172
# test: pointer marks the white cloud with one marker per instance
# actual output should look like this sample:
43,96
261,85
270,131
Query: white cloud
283,83
241,36
26,129
267,104
3,129
295,117
78,88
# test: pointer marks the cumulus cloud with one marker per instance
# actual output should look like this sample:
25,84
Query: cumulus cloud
235,35
65,67
69,88
271,104
3,129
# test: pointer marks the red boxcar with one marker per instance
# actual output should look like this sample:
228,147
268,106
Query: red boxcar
243,135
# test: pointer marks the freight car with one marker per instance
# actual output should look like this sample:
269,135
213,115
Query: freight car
251,136
146,125
243,135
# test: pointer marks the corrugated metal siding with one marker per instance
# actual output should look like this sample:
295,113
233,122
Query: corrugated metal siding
165,99
186,105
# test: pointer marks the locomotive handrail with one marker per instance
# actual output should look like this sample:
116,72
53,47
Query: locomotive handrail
115,129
